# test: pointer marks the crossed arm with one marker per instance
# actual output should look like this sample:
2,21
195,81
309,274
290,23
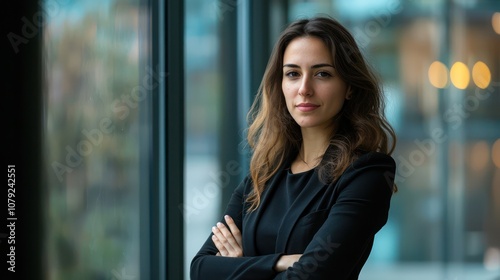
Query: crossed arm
229,244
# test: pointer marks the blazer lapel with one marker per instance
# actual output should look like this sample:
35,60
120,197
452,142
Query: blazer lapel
251,220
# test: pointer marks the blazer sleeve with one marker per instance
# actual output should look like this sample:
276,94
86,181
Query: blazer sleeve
205,265
360,210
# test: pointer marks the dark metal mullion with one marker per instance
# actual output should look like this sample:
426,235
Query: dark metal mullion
150,233
259,42
174,138
228,123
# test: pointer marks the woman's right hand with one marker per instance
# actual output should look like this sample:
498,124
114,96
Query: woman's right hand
286,261
228,241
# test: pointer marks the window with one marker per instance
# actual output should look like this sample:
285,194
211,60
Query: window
110,165
145,102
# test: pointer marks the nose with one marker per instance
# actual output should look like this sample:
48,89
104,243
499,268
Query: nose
305,87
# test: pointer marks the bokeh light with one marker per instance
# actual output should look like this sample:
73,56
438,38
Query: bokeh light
495,153
479,156
438,74
492,259
481,75
495,22
460,75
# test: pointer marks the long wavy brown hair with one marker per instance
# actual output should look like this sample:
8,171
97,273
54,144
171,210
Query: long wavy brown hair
361,126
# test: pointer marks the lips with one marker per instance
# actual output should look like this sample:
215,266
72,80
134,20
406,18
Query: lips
307,107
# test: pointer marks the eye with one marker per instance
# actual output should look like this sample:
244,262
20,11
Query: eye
292,74
323,74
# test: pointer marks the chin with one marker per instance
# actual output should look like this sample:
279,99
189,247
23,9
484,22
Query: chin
307,125
314,124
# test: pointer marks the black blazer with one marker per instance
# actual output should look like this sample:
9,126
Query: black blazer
332,225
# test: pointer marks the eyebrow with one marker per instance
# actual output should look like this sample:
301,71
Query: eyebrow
312,67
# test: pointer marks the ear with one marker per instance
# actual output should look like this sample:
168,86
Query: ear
348,95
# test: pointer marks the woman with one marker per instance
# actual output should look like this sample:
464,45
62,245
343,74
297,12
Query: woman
321,177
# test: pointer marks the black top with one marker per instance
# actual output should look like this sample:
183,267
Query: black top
332,225
286,192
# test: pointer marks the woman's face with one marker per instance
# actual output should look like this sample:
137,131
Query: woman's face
314,93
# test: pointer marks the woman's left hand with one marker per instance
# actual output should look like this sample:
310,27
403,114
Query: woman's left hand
227,241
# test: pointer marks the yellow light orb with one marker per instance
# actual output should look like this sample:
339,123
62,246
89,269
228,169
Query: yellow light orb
495,22
481,75
438,74
460,75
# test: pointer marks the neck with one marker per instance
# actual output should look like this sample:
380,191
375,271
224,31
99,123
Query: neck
314,144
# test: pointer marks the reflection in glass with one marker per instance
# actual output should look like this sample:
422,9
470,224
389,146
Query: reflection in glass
202,188
94,61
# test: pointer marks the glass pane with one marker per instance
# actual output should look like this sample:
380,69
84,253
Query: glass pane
202,101
96,136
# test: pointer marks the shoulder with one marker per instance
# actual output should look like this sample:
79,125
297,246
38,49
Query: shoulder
371,168
245,186
373,159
